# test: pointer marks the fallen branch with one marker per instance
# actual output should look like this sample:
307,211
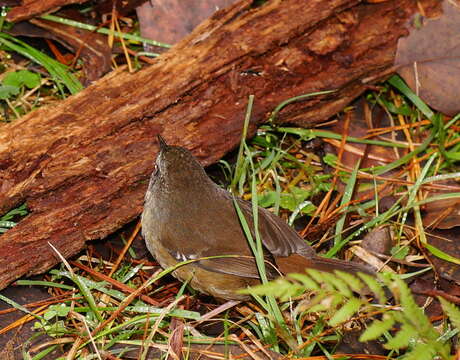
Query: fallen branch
82,166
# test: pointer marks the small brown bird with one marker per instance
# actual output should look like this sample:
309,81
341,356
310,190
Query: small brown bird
187,216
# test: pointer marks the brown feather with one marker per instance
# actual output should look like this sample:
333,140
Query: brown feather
186,216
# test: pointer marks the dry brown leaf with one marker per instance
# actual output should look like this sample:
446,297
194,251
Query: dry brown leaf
446,241
429,59
169,21
442,214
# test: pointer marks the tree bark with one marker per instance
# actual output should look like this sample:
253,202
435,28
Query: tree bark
83,166
30,8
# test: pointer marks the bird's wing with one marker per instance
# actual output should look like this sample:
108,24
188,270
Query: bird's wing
239,266
278,237
289,250
236,257
181,234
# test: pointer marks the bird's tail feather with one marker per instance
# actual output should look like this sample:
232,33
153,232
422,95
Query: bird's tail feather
297,264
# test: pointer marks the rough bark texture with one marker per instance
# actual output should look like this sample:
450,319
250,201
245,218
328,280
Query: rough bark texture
83,166
30,8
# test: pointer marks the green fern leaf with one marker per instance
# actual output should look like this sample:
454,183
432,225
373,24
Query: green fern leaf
421,352
346,311
281,288
452,311
405,335
377,328
375,287
340,285
317,276
352,281
413,313
323,302
306,281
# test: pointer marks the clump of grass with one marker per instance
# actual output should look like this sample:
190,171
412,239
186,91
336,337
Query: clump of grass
426,161
334,298
11,218
23,89
58,80
97,313
58,71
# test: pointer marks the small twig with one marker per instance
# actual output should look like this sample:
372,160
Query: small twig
218,310
115,283
125,249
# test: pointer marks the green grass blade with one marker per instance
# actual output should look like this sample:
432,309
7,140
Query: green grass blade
399,84
57,70
294,99
413,192
44,283
19,306
346,198
379,170
308,134
104,31
441,254
240,159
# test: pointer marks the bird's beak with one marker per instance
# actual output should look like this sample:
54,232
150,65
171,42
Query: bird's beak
162,142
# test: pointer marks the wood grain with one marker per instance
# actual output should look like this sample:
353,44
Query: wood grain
82,166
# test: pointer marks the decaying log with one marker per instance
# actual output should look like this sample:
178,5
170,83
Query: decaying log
29,8
82,166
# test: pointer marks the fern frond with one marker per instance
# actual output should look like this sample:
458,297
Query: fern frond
281,288
335,298
353,282
338,284
403,337
421,352
452,311
350,308
411,310
305,280
320,278
375,287
377,328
